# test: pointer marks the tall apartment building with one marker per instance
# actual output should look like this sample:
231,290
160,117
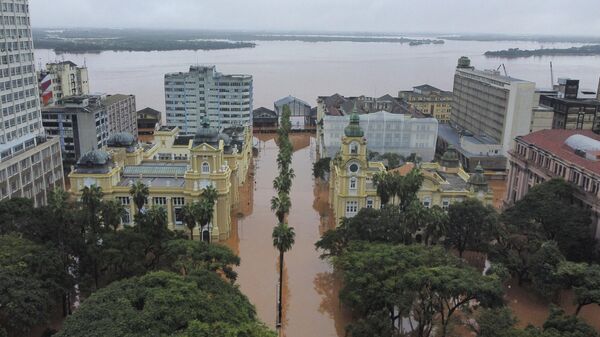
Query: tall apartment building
121,112
30,163
225,100
62,79
81,124
488,103
430,101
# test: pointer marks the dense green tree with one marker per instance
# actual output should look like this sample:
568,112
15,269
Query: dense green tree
401,189
153,225
166,304
496,322
548,213
321,168
561,325
283,182
584,279
186,257
424,283
471,225
16,215
139,192
91,198
543,270
31,278
283,239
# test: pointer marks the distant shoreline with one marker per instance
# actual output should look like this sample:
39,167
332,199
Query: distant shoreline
79,41
591,50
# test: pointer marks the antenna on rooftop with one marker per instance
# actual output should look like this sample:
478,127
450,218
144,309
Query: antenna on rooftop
503,68
551,75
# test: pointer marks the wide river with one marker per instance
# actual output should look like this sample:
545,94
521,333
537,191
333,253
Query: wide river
307,70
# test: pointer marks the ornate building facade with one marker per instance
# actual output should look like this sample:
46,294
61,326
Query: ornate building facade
351,178
175,168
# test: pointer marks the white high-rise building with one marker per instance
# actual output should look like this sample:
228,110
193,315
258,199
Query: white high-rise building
205,94
486,103
30,164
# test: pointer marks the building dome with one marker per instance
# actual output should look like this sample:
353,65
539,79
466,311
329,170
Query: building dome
353,129
206,134
225,138
583,143
121,139
450,158
478,181
95,158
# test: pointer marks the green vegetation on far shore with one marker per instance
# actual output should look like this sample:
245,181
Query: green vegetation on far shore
573,51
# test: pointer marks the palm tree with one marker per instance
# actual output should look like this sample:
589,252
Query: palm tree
283,240
139,191
384,187
188,214
210,194
283,182
112,213
204,214
281,205
91,197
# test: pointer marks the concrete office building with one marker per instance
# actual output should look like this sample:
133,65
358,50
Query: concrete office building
81,124
430,101
300,112
30,163
488,103
572,155
226,100
573,109
121,112
62,79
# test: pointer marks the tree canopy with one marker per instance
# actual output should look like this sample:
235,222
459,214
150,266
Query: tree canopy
166,304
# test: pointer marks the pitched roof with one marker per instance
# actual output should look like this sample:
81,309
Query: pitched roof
263,112
553,141
149,111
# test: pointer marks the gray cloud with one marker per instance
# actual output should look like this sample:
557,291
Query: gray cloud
554,17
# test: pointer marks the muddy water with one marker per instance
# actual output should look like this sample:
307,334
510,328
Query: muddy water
310,294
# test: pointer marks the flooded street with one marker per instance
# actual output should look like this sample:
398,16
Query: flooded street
310,294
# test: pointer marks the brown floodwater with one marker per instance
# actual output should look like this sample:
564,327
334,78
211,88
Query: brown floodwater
310,293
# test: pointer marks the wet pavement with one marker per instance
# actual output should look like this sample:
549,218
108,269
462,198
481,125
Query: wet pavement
310,294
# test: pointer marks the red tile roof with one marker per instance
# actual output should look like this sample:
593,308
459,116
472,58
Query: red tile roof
553,141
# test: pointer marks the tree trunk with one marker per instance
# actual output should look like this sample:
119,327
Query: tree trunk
579,307
192,234
280,304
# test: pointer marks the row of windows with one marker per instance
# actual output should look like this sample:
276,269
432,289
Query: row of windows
18,70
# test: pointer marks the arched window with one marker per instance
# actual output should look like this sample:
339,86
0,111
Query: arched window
205,167
353,182
354,148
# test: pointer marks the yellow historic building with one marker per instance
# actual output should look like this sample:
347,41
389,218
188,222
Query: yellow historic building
447,182
351,175
176,168
351,178
430,101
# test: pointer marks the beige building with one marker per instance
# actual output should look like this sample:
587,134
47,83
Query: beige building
176,169
62,79
351,175
351,185
430,101
121,112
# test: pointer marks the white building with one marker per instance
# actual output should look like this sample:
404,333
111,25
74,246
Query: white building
226,100
385,133
488,103
30,164
122,113
63,79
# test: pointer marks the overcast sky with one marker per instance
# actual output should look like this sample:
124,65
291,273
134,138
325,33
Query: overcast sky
553,17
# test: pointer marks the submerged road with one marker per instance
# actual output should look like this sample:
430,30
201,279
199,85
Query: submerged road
310,294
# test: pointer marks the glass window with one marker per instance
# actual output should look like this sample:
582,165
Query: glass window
351,208
369,203
205,167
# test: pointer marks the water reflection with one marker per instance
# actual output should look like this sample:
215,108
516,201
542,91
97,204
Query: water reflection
310,292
